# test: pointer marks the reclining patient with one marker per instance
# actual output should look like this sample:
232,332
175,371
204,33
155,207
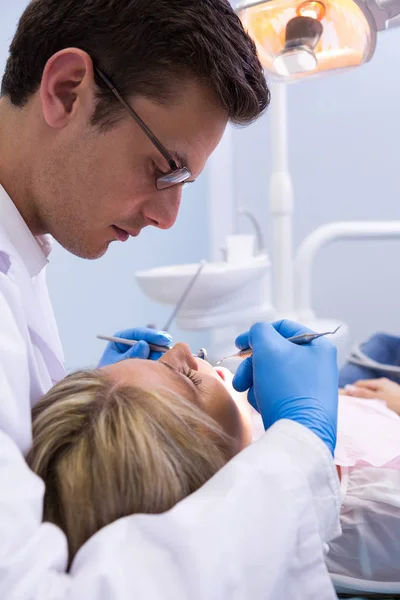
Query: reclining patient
138,436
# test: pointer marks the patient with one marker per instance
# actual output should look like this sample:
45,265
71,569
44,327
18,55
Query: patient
138,436
133,437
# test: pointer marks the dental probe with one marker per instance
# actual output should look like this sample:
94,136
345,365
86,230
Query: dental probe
202,353
300,340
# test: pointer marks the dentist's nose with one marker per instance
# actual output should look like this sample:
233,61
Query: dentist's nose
163,209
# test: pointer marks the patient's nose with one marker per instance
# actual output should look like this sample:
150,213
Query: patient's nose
180,357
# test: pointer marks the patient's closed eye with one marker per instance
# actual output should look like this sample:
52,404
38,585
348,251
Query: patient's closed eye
193,376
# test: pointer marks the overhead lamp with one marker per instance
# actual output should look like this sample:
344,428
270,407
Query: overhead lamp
297,38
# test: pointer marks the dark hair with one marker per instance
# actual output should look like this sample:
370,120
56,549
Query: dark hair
144,46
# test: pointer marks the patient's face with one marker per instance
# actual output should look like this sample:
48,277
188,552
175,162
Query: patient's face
198,382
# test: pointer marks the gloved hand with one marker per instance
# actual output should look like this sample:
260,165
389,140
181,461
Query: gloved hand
115,352
287,381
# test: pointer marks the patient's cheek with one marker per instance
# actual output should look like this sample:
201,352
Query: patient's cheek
246,415
247,426
240,422
244,411
240,425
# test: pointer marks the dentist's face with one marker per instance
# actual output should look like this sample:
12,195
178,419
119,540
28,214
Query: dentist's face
92,187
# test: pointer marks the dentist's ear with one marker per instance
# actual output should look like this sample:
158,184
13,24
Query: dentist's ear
67,87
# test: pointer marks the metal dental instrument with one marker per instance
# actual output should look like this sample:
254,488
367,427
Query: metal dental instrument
184,295
118,340
300,340
202,353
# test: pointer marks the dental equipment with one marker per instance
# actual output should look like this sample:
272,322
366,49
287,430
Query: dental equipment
184,295
357,357
300,340
202,353
299,39
323,236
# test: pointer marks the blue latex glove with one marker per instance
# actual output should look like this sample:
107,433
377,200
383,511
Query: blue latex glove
286,381
115,352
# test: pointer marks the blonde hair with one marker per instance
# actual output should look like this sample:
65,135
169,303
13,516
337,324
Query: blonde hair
106,451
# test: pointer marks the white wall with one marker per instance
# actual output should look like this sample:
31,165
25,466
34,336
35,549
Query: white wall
344,158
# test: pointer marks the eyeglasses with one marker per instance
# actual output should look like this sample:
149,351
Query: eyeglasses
177,174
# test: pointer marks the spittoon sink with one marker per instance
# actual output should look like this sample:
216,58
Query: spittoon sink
218,284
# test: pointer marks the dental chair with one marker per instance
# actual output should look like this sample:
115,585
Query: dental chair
346,587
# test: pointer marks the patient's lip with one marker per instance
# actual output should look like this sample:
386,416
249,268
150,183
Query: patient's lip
221,373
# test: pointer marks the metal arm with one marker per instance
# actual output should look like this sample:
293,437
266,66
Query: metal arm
352,230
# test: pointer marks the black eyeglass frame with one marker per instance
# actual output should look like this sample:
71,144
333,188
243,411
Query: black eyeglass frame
177,175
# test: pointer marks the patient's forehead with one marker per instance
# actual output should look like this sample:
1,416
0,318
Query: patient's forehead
129,368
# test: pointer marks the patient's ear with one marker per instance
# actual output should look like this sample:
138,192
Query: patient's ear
67,88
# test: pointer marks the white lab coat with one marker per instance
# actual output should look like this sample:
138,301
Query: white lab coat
257,530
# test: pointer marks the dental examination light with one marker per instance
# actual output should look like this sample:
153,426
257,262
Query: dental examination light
298,39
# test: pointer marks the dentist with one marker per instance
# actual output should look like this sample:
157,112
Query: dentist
107,107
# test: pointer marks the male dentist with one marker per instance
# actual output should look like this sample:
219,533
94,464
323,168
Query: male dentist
108,107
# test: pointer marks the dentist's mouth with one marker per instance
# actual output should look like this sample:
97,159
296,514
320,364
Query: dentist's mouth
121,233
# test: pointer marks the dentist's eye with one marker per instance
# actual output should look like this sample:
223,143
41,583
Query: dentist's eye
157,171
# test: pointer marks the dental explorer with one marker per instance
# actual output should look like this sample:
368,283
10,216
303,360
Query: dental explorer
202,353
300,340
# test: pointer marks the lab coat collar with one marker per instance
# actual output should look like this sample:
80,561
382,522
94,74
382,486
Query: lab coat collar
33,250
